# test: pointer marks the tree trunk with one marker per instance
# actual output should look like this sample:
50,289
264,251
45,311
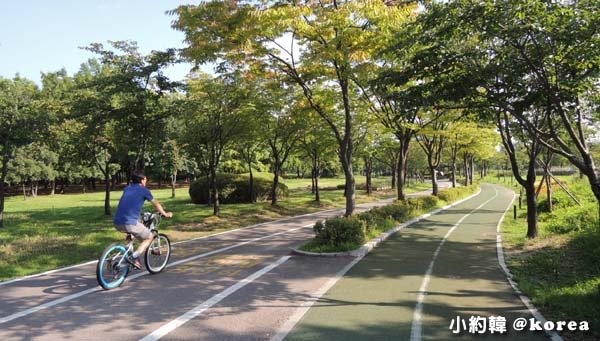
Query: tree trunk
252,196
317,193
549,192
401,172
369,174
276,170
454,173
52,187
209,188
466,169
107,191
532,228
3,174
274,188
173,182
472,168
349,188
215,191
434,183
312,180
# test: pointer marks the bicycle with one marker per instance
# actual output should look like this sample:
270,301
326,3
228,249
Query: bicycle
113,267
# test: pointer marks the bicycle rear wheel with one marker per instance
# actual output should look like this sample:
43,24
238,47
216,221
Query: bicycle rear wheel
112,268
158,253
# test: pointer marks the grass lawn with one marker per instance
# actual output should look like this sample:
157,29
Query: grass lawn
559,271
53,231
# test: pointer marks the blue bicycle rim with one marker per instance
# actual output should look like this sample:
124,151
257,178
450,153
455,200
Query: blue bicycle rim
113,284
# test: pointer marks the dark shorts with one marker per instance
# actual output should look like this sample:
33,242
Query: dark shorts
139,230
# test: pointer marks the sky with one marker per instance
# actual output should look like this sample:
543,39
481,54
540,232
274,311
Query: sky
45,36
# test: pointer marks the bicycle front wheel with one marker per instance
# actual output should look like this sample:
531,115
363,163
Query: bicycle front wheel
112,268
158,253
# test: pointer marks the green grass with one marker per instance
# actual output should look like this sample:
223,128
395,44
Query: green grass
560,272
53,231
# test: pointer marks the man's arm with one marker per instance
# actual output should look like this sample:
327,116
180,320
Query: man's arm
160,209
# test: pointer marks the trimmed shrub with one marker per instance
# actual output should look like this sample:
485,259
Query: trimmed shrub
340,230
235,188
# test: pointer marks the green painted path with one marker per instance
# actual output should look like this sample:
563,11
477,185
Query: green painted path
377,298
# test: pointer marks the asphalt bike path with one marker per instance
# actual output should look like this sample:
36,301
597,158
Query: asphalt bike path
412,286
68,303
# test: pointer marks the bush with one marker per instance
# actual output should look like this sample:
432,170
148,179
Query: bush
577,218
560,200
340,230
235,188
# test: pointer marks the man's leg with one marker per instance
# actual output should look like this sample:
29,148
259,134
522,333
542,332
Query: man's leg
143,245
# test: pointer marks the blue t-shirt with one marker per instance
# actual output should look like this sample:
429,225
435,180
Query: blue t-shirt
130,205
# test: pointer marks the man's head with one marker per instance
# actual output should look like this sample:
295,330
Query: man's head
138,177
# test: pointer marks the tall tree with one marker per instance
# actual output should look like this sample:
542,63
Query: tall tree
432,140
328,33
19,117
218,108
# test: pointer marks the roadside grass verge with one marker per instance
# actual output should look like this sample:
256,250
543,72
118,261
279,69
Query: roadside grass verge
48,232
340,234
560,270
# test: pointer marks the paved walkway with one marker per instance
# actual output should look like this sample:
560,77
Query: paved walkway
377,298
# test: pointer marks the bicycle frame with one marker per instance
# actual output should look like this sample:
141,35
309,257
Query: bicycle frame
127,252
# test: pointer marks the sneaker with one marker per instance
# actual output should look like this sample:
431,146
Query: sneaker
135,262
155,251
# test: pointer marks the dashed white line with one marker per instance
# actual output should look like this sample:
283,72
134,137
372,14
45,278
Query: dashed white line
416,328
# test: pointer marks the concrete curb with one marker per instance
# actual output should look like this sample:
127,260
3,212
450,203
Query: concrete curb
370,245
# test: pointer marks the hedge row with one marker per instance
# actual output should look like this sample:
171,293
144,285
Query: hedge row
235,188
346,233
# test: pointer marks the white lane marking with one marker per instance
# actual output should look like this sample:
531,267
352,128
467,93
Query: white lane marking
291,322
179,321
180,242
416,328
91,290
47,305
500,251
47,272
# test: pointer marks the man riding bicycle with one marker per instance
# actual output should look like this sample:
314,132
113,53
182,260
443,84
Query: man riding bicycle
128,220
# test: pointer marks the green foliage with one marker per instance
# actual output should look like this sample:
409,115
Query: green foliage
235,188
328,235
339,230
452,194
573,218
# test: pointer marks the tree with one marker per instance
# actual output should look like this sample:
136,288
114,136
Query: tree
97,106
432,139
19,117
33,163
216,114
55,100
328,33
318,144
140,83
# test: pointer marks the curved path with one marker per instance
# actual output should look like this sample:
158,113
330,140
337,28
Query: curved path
244,285
416,283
